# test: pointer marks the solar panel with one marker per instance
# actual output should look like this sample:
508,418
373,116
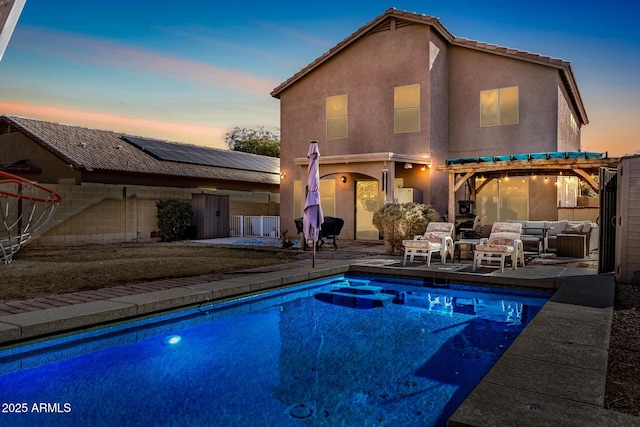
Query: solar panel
193,154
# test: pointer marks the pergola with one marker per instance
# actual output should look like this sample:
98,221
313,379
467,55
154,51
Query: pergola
581,164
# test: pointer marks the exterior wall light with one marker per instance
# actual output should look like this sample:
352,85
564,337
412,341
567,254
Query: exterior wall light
283,175
343,179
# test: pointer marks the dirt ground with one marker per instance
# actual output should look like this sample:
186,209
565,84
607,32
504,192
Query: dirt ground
38,272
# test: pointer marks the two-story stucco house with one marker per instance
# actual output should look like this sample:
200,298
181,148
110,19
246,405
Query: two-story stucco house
402,95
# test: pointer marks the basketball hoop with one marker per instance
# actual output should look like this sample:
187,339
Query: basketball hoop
25,207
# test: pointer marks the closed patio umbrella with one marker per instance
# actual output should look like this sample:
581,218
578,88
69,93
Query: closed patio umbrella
312,217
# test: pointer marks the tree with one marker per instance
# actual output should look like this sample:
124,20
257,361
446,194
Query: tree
255,141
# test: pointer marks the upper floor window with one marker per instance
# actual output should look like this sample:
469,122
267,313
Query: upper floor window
337,108
574,124
499,106
406,108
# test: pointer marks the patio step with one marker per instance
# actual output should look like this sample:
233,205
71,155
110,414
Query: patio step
362,297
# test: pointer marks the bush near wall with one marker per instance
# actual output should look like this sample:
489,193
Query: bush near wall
399,221
174,217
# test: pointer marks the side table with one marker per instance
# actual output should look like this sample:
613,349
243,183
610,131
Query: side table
571,245
457,246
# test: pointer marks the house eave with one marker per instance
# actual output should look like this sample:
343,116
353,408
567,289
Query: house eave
564,67
368,158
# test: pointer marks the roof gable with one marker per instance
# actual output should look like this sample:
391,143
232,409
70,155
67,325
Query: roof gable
398,18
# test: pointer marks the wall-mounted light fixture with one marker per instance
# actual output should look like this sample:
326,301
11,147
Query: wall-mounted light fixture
408,165
343,179
283,175
385,177
423,168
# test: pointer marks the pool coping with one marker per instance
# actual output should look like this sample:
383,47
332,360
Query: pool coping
554,373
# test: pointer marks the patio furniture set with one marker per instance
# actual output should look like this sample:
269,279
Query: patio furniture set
573,239
506,241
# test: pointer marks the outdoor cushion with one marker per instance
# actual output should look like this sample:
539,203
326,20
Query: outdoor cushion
576,228
534,227
420,243
494,247
502,238
557,227
433,236
508,227
441,227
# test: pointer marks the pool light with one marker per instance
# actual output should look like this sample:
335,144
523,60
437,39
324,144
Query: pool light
172,340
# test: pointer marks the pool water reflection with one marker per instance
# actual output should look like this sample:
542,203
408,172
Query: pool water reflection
293,357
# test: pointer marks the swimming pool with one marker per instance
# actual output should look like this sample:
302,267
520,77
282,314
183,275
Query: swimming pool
348,350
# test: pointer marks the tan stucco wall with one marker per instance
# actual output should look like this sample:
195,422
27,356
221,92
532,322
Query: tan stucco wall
568,138
439,133
367,72
470,72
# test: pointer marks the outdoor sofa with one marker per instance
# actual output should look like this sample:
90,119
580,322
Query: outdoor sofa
533,229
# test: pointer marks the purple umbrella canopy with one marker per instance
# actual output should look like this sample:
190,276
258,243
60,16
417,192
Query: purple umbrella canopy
313,218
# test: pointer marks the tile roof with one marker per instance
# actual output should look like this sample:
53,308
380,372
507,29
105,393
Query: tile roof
564,67
100,150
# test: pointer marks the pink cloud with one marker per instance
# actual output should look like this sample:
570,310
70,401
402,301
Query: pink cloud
107,53
178,132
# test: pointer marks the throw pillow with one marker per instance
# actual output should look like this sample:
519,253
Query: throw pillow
576,228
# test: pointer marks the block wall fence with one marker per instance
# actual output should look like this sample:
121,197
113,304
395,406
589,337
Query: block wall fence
103,214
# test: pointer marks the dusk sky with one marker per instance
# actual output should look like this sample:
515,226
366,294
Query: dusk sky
192,70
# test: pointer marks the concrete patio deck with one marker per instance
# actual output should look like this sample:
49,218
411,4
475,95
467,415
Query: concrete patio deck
553,374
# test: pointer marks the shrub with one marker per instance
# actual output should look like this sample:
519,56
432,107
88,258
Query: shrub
173,219
397,222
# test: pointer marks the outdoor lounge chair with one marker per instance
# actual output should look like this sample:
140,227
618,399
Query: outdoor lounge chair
437,238
503,241
475,232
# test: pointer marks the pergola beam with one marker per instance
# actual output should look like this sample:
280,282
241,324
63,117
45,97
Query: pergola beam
460,173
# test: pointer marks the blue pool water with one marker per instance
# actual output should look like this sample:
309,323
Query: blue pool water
345,351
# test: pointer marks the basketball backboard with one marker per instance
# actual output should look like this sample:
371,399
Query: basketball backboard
9,13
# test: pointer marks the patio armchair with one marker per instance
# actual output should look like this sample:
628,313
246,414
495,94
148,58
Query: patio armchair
475,232
437,238
504,241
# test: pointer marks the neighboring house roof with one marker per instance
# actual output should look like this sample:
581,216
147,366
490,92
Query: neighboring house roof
94,150
410,17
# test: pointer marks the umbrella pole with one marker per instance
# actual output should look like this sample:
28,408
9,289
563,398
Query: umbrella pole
313,258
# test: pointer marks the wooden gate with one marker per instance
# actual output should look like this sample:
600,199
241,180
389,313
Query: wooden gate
608,200
210,215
